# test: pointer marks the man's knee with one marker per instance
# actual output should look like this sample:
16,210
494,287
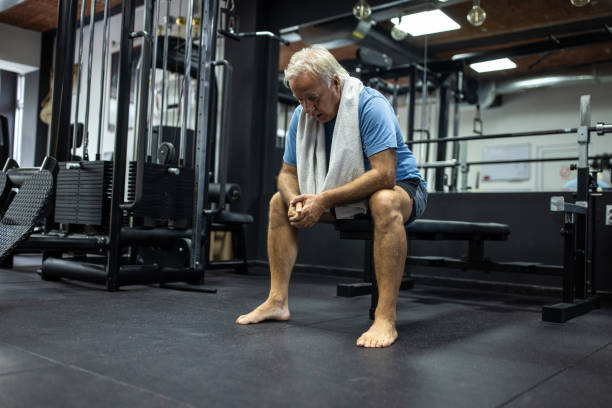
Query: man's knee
278,209
277,203
385,207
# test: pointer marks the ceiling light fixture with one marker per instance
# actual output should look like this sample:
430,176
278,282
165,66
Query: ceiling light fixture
493,65
580,3
397,33
426,22
477,15
362,10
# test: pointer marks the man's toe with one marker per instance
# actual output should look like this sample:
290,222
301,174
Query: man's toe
242,319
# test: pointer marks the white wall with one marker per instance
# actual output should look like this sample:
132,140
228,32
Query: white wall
19,49
20,53
30,120
538,109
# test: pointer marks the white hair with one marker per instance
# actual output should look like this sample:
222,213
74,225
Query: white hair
317,61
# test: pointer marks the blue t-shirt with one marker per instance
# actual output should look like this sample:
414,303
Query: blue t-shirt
379,131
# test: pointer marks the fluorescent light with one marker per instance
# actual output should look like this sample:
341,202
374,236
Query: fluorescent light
426,22
493,65
292,36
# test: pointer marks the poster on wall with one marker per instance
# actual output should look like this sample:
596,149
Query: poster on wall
114,81
509,171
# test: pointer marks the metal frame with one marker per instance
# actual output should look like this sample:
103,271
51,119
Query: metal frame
113,270
207,43
120,151
59,145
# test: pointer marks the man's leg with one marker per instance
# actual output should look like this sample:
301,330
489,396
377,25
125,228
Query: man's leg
389,209
282,251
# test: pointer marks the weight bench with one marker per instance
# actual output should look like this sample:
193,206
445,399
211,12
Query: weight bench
28,208
475,233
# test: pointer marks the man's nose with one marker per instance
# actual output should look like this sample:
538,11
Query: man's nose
308,106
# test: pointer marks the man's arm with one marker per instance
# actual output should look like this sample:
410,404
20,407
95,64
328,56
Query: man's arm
380,176
287,183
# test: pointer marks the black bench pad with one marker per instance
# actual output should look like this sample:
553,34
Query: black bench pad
430,229
230,217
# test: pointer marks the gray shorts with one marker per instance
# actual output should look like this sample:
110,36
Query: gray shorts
417,191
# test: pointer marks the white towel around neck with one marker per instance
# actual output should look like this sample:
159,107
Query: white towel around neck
346,161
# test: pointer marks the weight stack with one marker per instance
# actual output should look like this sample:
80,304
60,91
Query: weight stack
165,196
83,194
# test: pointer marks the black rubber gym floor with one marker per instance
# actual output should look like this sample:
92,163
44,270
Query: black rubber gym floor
68,344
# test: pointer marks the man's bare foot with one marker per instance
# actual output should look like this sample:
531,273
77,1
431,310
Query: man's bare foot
269,310
382,333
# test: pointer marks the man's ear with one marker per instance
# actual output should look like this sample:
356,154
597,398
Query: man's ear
336,81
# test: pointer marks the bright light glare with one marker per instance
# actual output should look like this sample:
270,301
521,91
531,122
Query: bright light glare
493,65
426,22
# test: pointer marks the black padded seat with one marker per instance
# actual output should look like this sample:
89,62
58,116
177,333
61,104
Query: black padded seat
29,207
235,223
230,217
433,229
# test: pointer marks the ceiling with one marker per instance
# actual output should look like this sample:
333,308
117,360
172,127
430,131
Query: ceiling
41,15
538,35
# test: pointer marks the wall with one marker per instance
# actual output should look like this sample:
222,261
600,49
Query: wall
30,120
541,109
252,160
21,55
538,109
22,52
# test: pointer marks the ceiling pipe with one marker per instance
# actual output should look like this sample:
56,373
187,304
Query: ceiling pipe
596,74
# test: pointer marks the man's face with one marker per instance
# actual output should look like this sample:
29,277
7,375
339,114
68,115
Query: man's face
317,99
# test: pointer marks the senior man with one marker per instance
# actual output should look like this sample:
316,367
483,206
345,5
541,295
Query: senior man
344,156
